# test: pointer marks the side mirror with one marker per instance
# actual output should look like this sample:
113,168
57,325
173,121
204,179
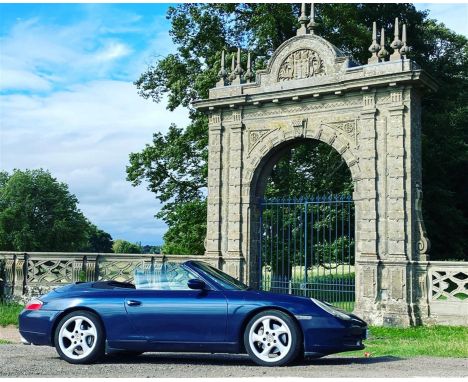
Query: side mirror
196,284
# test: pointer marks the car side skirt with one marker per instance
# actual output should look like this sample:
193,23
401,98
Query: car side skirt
198,347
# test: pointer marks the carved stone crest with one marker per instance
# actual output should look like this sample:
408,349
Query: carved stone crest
303,63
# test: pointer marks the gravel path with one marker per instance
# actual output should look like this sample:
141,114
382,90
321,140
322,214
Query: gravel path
10,333
38,361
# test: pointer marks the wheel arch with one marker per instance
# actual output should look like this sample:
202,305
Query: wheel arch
70,310
254,312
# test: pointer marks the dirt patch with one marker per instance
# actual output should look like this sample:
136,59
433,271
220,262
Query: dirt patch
10,333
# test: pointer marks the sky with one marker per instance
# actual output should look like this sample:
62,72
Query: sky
68,103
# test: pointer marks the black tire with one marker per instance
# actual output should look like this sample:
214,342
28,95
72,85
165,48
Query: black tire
295,339
97,345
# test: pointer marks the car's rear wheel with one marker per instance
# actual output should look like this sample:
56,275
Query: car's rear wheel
79,337
272,338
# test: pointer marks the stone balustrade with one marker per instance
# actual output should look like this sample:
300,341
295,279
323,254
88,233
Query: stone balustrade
31,274
448,292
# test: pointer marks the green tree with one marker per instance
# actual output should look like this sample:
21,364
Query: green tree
176,162
311,168
124,246
38,213
98,240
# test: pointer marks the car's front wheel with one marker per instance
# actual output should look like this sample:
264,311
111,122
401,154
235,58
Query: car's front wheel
79,337
272,338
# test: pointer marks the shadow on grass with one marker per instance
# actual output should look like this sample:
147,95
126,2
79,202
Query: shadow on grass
231,360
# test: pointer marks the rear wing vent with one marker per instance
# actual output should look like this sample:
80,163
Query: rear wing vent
112,285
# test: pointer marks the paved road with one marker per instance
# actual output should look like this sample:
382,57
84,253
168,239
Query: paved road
36,361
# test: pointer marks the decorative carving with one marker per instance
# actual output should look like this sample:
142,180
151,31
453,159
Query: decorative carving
214,119
449,284
50,271
234,117
368,101
255,136
302,109
347,127
300,126
396,97
423,243
303,63
119,270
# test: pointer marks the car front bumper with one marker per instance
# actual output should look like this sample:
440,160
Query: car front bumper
323,335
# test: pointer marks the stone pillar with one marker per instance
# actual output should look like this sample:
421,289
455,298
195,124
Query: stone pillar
394,291
365,197
390,282
233,258
213,231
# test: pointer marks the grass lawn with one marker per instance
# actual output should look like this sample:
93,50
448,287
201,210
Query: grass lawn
435,341
4,342
9,313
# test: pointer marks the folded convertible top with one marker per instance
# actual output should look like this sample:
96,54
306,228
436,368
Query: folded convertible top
111,284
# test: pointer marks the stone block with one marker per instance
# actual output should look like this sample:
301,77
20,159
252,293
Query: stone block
396,247
367,246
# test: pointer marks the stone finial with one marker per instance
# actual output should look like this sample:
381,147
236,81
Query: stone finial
239,69
382,53
303,21
249,76
237,78
233,74
222,74
396,43
312,24
404,48
375,47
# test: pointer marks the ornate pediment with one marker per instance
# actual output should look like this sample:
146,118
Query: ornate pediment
303,63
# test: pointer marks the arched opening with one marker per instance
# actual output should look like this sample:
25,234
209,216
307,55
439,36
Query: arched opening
304,223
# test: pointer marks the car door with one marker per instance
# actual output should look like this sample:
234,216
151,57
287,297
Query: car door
168,311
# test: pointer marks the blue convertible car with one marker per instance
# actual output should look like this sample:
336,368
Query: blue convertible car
189,307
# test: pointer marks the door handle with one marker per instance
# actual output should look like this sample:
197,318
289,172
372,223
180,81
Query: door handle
133,302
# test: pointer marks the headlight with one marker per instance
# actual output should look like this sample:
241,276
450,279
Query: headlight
329,309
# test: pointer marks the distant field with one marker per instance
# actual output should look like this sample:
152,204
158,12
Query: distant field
335,285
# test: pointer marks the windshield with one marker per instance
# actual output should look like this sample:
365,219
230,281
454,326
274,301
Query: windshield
163,276
226,281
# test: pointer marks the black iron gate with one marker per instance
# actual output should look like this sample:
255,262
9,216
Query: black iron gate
307,248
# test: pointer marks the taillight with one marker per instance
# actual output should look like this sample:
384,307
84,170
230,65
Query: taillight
34,305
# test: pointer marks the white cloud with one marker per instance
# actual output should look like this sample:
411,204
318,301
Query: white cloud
17,78
112,51
83,136
58,54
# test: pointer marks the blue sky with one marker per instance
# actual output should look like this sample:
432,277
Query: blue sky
68,103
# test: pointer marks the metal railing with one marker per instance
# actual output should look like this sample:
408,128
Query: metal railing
306,247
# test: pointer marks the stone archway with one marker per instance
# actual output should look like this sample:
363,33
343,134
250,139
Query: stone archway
370,114
297,265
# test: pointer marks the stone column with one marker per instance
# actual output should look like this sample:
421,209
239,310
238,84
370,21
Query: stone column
233,259
365,197
394,291
213,232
